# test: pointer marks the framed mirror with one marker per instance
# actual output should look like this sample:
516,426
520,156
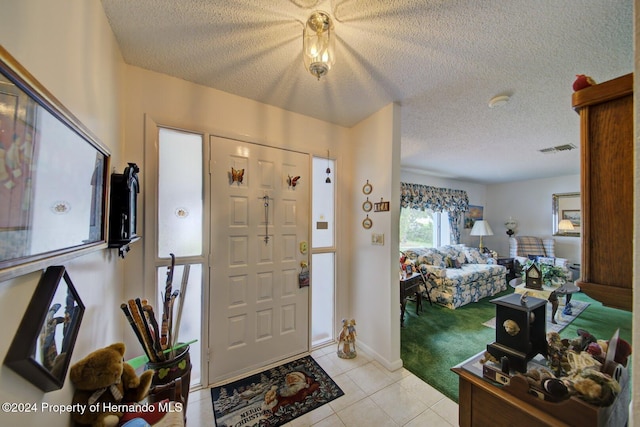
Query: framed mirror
42,347
567,214
53,176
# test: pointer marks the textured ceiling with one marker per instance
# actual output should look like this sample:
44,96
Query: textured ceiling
441,60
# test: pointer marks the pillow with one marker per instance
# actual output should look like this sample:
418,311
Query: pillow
438,259
429,256
520,260
546,260
474,256
534,257
453,262
455,252
410,254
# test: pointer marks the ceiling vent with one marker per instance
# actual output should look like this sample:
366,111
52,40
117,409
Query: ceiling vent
557,148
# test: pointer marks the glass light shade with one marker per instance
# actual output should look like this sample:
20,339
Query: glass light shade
511,224
318,44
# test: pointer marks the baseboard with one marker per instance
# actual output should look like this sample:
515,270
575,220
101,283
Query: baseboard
389,365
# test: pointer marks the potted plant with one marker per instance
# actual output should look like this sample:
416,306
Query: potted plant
551,275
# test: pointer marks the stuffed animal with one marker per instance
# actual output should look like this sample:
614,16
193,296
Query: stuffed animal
103,379
544,380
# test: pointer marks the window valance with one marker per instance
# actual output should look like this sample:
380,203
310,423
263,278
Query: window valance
417,196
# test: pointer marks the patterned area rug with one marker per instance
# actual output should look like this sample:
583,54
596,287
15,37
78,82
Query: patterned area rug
563,318
275,396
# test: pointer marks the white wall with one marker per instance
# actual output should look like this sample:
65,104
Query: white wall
529,203
68,46
375,297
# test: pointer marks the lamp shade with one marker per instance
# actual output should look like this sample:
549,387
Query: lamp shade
565,225
481,228
511,224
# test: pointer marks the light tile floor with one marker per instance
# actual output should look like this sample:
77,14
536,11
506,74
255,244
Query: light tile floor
373,396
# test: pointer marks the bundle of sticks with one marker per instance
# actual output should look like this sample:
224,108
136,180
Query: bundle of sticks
159,340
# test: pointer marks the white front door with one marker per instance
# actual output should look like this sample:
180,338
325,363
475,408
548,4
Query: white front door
259,232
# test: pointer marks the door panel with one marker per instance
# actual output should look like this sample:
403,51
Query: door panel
258,314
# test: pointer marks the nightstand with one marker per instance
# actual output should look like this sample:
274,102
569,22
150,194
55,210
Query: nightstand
508,263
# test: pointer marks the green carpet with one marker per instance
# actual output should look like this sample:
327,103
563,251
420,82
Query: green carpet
441,338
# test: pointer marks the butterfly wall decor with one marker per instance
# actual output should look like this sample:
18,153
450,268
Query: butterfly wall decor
237,175
293,180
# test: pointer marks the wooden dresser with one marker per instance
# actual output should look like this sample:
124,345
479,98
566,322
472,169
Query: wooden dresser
607,153
482,402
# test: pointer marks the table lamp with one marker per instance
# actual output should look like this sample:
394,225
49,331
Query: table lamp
511,225
481,228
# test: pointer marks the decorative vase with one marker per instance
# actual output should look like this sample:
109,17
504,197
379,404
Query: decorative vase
166,372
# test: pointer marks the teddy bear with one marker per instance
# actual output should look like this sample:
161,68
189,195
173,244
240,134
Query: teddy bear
103,379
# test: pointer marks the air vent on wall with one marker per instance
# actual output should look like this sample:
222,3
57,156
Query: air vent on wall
565,147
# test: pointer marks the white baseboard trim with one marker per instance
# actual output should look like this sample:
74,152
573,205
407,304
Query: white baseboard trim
389,365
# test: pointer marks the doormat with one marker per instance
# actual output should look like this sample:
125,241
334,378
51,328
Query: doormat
274,396
563,317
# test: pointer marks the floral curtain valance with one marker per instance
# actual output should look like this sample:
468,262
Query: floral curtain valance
417,196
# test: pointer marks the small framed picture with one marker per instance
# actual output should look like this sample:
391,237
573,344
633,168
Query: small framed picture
572,215
472,215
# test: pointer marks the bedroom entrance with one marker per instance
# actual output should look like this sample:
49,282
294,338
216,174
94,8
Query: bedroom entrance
259,236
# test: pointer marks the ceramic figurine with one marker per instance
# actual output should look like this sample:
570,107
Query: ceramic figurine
347,340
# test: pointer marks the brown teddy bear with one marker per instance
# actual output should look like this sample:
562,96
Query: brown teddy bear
103,379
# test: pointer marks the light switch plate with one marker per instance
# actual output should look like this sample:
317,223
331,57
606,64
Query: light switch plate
377,239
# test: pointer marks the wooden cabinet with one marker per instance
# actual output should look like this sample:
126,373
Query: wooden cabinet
484,403
607,153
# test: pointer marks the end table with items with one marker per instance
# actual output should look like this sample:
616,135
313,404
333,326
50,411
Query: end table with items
411,286
508,263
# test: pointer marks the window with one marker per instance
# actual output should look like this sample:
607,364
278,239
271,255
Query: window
423,228
323,254
180,231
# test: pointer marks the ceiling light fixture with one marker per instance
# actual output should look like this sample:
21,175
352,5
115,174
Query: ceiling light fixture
318,44
498,101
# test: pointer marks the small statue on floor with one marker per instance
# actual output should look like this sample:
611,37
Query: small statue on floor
347,339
